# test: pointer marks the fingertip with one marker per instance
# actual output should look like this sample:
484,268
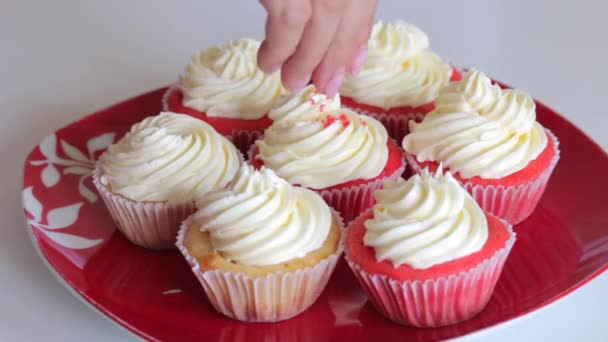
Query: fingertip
356,64
333,84
270,70
295,84
265,62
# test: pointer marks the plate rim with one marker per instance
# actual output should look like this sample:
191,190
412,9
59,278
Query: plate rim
107,316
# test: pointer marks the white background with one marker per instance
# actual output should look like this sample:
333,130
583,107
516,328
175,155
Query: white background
61,59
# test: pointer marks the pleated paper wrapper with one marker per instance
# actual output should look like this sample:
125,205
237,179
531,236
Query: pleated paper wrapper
147,224
435,302
271,298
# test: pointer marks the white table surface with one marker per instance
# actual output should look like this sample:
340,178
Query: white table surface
61,59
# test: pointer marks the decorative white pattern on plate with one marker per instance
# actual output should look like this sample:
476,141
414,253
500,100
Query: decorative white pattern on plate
77,164
71,162
57,218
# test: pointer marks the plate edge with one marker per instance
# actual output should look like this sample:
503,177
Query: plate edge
109,317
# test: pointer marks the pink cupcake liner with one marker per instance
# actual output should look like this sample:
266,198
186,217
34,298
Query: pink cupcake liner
274,297
512,203
435,302
351,201
147,224
397,125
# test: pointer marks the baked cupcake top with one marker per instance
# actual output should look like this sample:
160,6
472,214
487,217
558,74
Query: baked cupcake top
399,69
225,81
260,219
424,221
315,143
478,129
169,157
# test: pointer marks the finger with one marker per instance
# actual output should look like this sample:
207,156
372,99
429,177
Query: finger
356,63
284,27
348,49
334,82
318,34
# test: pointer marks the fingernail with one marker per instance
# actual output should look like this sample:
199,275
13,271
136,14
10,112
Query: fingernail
334,83
269,70
357,63
273,69
298,85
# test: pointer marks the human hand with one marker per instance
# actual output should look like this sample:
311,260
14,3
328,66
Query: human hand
318,40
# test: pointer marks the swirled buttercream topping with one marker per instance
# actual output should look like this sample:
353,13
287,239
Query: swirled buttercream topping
424,221
314,143
169,157
399,69
477,129
225,81
260,219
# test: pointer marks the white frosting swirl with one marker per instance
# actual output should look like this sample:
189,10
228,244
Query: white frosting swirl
393,43
477,129
512,108
425,221
169,157
260,219
306,105
316,144
225,81
399,69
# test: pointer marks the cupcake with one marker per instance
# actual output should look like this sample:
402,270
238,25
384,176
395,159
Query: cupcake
150,179
400,78
262,249
490,140
223,86
426,254
342,155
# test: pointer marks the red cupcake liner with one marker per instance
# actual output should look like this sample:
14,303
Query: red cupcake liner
271,298
353,200
244,140
435,302
241,138
151,225
512,203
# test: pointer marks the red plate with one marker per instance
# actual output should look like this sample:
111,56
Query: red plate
563,245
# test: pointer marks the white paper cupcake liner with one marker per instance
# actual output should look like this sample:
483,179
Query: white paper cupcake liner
397,125
512,203
435,302
351,201
147,224
271,298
